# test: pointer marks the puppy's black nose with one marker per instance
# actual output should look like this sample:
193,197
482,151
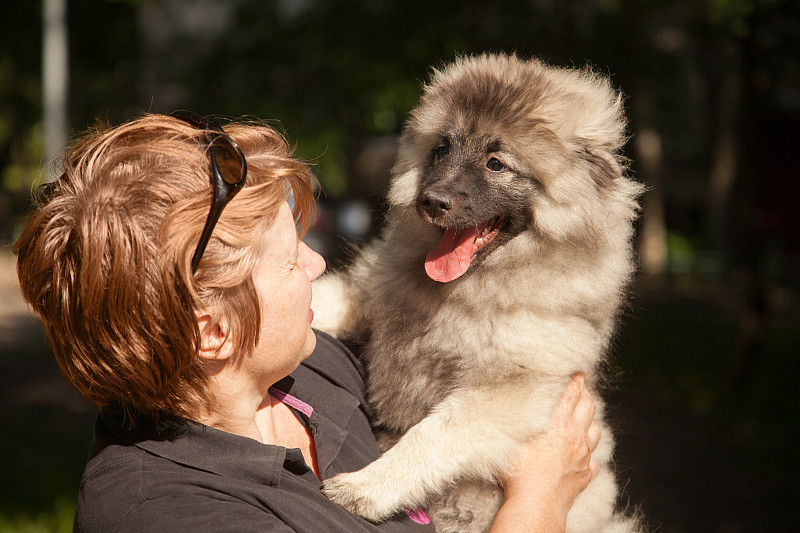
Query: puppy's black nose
434,204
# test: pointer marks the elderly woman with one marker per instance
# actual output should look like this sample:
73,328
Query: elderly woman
190,330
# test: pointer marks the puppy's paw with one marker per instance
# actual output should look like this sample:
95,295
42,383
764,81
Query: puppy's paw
360,494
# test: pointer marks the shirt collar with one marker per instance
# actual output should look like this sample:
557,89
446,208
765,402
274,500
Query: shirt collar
333,408
205,448
213,450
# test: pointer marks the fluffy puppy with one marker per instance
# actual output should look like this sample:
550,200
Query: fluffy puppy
498,275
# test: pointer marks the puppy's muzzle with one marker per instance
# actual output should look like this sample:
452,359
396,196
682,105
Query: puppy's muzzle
434,204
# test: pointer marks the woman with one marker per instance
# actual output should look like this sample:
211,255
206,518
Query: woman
190,329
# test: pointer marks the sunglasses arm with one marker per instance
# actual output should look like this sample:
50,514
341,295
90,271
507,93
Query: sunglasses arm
221,199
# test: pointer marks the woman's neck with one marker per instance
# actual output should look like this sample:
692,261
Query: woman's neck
265,419
237,414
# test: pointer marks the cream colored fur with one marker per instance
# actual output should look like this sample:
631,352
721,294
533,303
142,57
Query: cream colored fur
461,372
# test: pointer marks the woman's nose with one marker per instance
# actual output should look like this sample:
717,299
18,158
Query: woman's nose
311,261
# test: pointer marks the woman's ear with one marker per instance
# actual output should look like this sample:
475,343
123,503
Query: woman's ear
212,339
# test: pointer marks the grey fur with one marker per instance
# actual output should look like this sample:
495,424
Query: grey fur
463,371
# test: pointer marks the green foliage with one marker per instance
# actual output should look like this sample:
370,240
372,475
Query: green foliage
734,15
685,257
680,352
20,96
57,520
24,170
325,151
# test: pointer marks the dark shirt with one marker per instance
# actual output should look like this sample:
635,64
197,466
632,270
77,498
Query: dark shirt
205,479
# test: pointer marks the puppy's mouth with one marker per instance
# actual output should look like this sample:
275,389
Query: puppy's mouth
459,246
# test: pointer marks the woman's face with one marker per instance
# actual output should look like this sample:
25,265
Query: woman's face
283,279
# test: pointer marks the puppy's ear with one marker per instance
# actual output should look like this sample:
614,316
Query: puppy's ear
603,167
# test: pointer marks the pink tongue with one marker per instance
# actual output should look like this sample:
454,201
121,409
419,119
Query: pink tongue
451,258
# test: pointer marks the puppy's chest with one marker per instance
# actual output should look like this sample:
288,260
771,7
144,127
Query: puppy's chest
438,347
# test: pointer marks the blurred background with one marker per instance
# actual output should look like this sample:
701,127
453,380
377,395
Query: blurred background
705,365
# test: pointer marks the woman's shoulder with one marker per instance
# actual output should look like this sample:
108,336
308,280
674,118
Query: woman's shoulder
157,485
111,488
126,489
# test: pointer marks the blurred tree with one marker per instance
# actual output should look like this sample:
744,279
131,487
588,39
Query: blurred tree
20,108
55,77
338,72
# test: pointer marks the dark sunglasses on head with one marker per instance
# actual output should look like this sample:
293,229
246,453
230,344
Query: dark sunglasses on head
228,172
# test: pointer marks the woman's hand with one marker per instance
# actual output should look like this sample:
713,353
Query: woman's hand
552,468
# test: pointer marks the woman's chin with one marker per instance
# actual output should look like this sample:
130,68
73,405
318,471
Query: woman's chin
311,342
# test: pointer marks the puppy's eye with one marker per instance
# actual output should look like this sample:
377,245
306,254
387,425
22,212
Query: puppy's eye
495,165
440,150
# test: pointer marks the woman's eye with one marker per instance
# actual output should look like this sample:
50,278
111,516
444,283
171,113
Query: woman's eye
495,165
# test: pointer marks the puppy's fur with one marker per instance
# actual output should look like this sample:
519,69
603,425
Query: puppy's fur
510,190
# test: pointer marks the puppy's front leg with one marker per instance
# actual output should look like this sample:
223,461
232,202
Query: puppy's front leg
472,433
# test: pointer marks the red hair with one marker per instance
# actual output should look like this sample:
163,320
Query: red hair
104,258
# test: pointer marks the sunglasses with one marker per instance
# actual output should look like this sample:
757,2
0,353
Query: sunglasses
228,172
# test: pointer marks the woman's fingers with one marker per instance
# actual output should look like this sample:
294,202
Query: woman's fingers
572,396
594,468
585,409
593,435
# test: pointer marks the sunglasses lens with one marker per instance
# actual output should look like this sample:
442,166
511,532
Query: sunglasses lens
229,161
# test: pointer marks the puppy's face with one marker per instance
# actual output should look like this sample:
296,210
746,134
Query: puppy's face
499,147
471,189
